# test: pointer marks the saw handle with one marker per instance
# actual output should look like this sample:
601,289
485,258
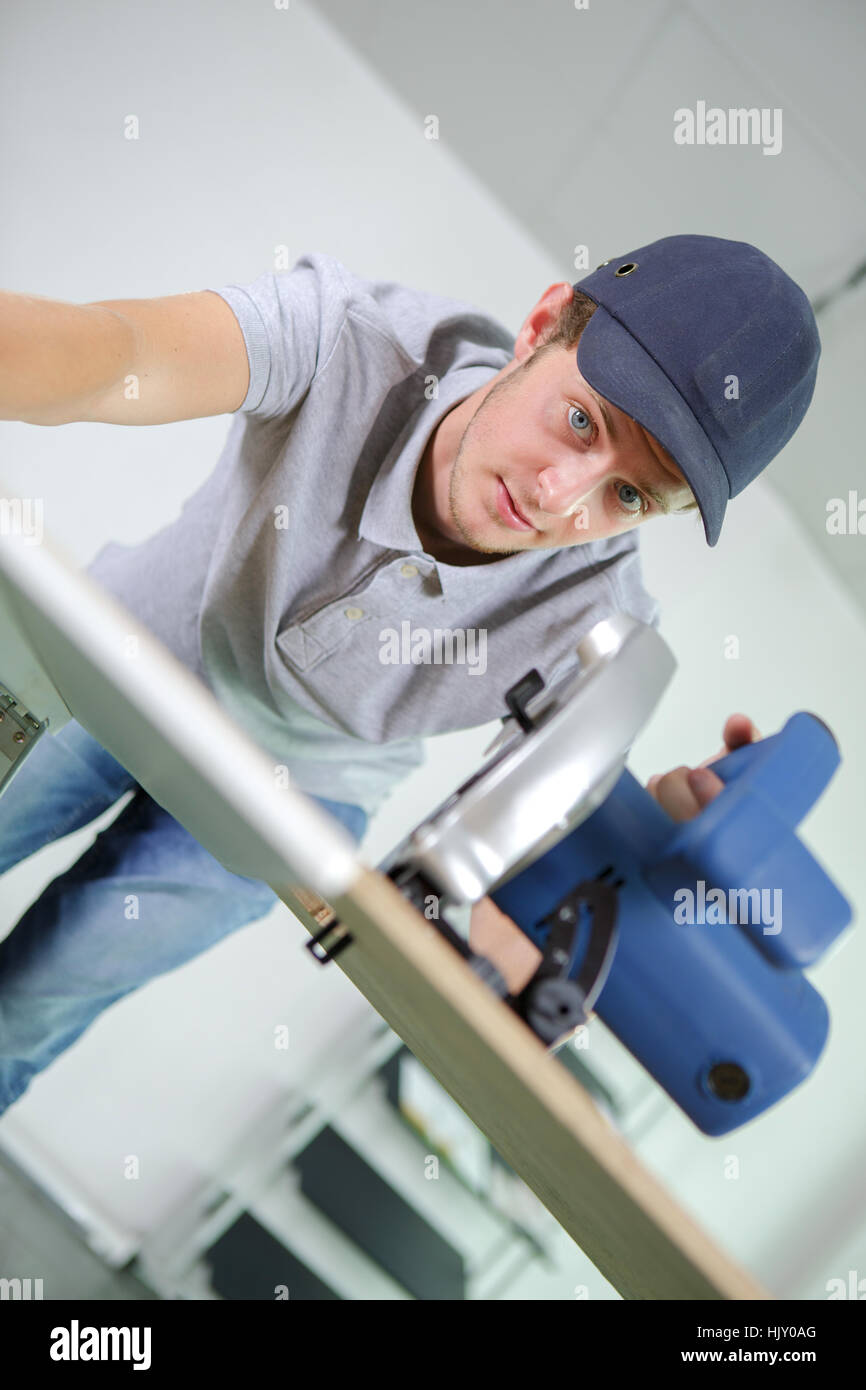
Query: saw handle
789,769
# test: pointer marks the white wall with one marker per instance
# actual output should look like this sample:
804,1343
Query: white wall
260,128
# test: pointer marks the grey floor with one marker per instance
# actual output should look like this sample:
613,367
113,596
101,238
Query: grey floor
39,1241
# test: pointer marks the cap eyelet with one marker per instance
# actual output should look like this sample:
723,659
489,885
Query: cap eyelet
626,269
601,263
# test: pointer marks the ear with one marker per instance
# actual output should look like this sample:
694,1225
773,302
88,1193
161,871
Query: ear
542,317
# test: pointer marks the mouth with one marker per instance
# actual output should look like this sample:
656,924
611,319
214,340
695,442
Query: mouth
507,509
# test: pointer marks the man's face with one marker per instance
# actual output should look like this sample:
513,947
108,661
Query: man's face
544,463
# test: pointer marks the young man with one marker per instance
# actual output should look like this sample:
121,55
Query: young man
398,468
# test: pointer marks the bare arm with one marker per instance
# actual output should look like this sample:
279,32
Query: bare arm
121,361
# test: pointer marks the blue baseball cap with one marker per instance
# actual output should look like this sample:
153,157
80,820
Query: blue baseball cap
709,346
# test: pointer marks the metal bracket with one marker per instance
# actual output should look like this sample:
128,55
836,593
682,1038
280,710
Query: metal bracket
19,731
324,954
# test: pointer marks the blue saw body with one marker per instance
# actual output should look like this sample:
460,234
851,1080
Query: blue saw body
716,919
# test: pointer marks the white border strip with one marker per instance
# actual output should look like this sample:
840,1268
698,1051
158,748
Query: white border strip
318,851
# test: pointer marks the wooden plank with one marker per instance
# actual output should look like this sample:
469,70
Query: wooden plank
534,1112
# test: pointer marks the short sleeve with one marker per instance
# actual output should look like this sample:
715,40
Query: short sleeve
290,323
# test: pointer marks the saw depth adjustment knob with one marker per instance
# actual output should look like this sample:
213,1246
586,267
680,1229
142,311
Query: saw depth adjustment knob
518,697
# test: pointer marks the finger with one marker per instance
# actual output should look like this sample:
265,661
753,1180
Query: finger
704,785
738,730
673,793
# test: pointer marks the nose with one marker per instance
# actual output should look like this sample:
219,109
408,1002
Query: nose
561,489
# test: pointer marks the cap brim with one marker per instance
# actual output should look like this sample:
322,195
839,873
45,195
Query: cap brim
623,372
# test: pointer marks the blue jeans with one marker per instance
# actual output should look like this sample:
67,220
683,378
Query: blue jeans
75,950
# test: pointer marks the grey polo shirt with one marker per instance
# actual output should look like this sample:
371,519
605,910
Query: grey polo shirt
293,582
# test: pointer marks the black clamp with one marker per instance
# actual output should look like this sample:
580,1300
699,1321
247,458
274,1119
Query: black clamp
325,954
517,697
551,1003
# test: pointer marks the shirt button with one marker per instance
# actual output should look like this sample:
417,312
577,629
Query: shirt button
354,612
409,570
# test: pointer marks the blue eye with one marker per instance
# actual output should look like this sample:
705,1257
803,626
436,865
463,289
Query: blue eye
584,421
636,497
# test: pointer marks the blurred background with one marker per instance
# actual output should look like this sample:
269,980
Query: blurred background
268,131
